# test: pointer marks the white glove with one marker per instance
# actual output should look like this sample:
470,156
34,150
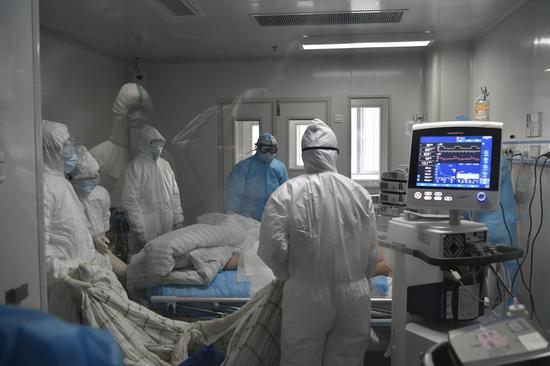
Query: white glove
100,243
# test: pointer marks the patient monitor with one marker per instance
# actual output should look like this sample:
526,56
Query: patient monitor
439,262
455,165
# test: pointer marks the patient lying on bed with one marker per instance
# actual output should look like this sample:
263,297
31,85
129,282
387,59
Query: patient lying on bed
195,254
187,260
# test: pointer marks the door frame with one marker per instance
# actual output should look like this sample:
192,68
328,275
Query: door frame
222,103
285,132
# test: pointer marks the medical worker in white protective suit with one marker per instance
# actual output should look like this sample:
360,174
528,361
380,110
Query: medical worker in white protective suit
319,233
132,110
68,241
96,203
151,196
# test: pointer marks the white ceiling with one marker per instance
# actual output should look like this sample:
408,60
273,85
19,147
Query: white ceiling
130,28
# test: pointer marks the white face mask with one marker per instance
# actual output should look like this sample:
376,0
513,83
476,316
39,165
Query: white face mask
156,150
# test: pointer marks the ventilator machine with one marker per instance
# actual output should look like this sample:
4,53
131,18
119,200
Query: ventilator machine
440,262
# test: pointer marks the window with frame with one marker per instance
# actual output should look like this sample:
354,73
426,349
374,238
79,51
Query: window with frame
296,129
368,138
246,135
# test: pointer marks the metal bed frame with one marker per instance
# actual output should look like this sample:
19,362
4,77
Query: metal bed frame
380,317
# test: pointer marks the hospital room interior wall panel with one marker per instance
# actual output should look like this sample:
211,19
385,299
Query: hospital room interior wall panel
186,97
512,66
431,79
182,91
400,78
21,250
79,86
502,60
455,83
446,83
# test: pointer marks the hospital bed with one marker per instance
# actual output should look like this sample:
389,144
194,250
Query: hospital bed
226,294
154,272
222,297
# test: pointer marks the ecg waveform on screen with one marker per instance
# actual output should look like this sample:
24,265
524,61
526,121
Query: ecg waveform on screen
458,153
467,159
459,148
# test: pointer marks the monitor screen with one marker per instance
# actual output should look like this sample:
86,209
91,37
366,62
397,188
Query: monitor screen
454,162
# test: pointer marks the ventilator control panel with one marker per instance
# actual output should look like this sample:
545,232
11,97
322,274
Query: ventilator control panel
455,165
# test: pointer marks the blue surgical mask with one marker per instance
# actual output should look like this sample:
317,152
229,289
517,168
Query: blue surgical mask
156,150
266,156
70,157
83,187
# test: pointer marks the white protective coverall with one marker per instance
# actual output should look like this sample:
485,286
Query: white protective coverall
319,232
151,196
96,203
132,110
68,242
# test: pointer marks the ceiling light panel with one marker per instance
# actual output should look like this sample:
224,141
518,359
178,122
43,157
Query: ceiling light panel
359,45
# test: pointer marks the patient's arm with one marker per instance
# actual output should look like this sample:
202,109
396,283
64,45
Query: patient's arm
381,266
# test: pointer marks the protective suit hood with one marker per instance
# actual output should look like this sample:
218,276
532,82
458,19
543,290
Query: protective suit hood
132,103
148,134
54,135
86,167
319,134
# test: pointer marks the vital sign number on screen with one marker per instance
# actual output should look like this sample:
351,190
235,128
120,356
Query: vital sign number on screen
454,161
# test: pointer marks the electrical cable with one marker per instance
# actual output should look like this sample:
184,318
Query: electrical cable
515,186
541,222
487,304
455,275
530,227
529,243
531,300
519,269
502,282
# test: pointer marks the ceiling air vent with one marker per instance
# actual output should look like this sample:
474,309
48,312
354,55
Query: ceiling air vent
332,18
179,7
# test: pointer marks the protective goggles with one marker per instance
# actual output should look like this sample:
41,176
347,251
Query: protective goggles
267,149
321,148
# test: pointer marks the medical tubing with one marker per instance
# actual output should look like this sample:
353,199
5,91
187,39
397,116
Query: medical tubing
520,266
541,222
502,282
511,242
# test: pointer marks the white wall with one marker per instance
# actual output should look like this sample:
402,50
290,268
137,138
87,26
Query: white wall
181,91
21,255
446,87
79,86
503,61
509,63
